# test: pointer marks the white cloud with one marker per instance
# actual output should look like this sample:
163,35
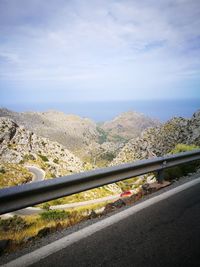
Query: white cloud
141,44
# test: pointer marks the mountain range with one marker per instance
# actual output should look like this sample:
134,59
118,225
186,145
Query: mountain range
62,144
92,142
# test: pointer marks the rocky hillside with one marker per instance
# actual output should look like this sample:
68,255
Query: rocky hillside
19,146
158,141
126,126
71,131
97,144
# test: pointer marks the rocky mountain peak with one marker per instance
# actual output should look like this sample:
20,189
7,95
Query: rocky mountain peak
127,125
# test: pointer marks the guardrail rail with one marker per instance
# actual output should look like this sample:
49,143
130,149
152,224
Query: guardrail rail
22,196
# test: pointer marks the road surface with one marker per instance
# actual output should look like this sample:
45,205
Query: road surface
38,174
34,210
166,233
85,203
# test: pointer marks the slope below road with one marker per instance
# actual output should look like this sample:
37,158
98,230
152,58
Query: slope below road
164,234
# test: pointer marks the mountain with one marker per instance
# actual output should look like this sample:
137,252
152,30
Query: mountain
71,131
94,143
127,125
19,145
160,140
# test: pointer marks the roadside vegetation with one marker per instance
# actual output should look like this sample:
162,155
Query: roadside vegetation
183,170
12,174
20,229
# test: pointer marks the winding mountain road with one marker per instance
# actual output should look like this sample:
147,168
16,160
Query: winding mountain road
85,203
38,174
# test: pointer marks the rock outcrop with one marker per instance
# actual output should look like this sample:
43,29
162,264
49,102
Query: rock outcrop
18,145
158,141
71,131
91,142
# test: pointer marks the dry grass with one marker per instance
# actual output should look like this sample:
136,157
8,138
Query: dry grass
12,174
36,223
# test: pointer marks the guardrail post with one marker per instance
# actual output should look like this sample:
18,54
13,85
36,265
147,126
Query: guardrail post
160,176
160,173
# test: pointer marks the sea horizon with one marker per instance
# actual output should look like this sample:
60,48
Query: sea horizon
161,110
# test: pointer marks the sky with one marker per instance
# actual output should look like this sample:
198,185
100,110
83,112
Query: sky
106,50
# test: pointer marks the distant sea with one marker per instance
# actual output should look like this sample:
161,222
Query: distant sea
102,111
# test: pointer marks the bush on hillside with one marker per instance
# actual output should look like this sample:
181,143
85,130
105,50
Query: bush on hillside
55,215
182,170
44,158
183,148
15,223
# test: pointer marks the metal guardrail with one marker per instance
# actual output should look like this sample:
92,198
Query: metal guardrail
18,197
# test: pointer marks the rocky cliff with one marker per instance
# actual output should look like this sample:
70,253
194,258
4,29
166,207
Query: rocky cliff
160,140
71,131
19,145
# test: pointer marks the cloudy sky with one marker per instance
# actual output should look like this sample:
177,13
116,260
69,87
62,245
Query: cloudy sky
62,50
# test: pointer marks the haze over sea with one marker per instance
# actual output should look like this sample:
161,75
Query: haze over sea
102,111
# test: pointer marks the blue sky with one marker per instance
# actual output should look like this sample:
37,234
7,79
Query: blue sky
62,51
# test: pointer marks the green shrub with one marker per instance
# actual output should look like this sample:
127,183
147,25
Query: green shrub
56,202
44,158
2,170
15,223
46,206
28,157
183,148
182,170
102,135
56,215
56,161
43,143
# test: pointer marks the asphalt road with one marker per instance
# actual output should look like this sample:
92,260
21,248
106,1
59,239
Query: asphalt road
85,203
38,174
164,234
